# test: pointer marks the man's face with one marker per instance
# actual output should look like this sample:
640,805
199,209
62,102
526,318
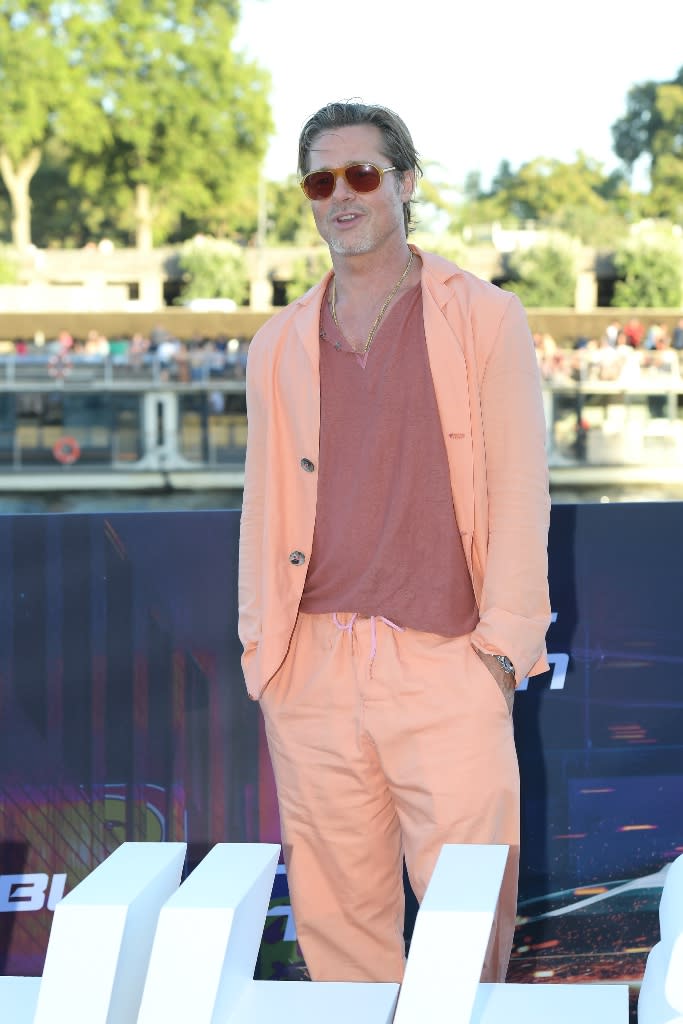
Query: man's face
353,223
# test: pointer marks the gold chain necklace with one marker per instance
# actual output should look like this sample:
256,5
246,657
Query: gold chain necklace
378,318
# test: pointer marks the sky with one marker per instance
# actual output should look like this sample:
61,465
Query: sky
475,82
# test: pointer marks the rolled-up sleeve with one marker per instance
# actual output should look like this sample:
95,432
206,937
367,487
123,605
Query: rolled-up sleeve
514,604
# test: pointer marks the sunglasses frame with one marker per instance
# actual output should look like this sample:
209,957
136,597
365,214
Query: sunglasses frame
340,172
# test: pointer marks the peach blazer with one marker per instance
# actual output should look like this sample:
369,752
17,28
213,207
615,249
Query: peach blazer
489,399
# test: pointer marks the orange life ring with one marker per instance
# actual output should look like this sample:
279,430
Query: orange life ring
66,450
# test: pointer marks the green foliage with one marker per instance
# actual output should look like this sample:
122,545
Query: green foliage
577,198
62,213
444,243
551,192
290,221
148,95
543,276
123,99
213,268
651,130
602,230
9,271
45,88
307,271
652,275
436,202
47,94
188,117
479,206
5,213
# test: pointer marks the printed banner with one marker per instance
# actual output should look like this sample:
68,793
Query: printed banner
123,716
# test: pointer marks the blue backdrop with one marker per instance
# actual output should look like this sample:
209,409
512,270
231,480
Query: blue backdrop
123,716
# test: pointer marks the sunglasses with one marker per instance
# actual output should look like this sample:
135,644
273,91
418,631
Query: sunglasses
360,177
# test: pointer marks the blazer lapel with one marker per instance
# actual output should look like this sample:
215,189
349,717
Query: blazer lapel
449,371
305,364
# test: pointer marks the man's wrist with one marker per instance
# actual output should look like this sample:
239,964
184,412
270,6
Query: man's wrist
506,664
496,668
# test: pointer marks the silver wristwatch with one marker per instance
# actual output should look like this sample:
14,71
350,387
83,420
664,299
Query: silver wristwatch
504,661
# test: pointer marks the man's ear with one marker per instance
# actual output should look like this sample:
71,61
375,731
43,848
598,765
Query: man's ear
407,186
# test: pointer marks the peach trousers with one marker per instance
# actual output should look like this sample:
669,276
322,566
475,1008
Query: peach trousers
385,744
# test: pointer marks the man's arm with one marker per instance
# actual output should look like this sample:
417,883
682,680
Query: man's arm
507,681
514,607
252,519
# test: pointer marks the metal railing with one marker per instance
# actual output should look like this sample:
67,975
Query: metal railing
193,414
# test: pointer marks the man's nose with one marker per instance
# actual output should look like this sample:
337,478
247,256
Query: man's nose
342,189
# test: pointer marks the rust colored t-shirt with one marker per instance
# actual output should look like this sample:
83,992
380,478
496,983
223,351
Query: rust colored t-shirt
386,541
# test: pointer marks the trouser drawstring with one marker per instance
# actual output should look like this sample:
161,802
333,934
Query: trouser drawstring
374,619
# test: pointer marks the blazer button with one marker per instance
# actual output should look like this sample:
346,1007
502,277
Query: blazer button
297,558
307,465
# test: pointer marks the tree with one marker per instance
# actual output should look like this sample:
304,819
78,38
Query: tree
289,214
9,271
448,244
547,190
213,268
503,178
652,129
478,205
45,94
652,275
158,114
307,271
59,210
543,276
188,118
576,198
436,204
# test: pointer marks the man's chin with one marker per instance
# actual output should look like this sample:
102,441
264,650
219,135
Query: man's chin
349,247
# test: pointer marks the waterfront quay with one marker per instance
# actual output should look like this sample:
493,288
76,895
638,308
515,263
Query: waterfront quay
175,420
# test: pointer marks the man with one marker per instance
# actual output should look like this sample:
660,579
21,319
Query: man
393,565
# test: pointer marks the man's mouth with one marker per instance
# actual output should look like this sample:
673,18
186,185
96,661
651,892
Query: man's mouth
346,218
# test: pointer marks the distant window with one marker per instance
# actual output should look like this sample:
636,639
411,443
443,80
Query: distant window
171,292
606,290
279,293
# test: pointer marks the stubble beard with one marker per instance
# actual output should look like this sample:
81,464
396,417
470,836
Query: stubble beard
356,244
350,247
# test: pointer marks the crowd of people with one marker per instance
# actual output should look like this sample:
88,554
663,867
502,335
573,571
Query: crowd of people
628,354
176,359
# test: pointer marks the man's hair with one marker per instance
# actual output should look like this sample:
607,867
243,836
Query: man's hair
397,144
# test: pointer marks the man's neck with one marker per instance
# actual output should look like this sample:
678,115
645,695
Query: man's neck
363,288
368,275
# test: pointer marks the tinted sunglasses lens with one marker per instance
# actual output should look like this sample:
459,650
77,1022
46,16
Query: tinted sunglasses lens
363,177
319,184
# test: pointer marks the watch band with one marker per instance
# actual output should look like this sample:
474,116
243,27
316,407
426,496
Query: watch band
504,661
